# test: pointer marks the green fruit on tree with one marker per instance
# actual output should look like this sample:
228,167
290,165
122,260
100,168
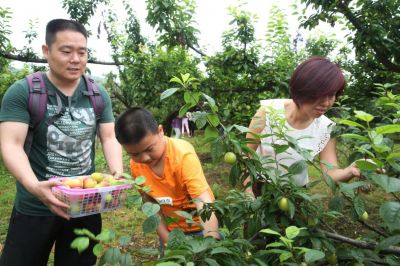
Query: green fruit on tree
364,216
283,204
312,221
230,158
303,264
332,259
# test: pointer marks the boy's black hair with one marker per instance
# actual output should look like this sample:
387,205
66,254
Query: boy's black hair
134,124
57,25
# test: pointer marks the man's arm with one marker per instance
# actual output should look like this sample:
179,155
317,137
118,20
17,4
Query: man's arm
111,148
12,139
210,227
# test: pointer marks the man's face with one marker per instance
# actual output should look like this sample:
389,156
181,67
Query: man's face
149,150
67,55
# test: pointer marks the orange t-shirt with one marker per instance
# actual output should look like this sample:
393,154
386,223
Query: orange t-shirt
183,180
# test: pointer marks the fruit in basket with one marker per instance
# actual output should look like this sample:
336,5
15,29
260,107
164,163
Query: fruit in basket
75,208
89,182
109,198
98,177
73,182
103,183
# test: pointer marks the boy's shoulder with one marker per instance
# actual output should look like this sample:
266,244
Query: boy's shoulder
179,146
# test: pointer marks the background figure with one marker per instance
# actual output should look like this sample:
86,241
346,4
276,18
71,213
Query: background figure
176,126
185,125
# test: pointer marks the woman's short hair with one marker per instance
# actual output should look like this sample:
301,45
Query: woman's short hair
316,78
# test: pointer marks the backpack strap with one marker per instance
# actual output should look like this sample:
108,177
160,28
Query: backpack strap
37,99
95,97
37,105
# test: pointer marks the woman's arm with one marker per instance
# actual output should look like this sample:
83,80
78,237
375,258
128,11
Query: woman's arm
328,154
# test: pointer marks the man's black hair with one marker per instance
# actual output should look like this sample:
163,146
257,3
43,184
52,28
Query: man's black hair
57,25
134,124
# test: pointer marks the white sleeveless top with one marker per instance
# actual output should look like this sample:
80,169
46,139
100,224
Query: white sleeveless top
313,138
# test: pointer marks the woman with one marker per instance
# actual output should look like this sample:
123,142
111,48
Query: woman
314,87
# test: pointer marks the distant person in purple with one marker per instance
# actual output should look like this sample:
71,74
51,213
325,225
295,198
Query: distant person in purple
177,125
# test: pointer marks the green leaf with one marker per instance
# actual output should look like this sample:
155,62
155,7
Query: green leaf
337,203
388,129
389,184
351,123
185,77
169,263
211,133
124,241
390,213
285,256
220,250
387,242
140,180
125,260
241,128
80,243
234,174
98,249
211,262
210,101
150,208
177,80
275,245
213,119
84,232
297,167
106,235
270,232
175,238
313,255
366,165
184,214
292,232
359,205
168,92
112,256
364,116
151,223
355,136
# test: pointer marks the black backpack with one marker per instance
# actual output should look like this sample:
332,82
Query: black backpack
37,103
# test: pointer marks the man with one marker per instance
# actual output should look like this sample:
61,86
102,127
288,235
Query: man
64,147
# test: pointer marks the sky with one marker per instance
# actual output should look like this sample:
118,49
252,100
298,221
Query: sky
212,18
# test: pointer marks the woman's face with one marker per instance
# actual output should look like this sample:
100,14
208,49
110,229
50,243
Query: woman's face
319,106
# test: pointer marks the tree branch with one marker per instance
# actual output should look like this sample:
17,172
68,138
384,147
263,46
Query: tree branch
380,52
41,60
360,243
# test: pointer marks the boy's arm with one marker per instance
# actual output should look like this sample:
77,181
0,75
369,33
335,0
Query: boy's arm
111,148
211,225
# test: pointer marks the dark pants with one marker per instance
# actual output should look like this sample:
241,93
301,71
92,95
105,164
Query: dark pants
31,238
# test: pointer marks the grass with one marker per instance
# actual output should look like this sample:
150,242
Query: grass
128,221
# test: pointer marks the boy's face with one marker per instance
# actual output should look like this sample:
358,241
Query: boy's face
149,150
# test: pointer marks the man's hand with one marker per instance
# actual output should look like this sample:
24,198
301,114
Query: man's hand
43,192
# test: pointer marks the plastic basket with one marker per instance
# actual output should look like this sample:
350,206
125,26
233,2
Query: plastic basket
84,202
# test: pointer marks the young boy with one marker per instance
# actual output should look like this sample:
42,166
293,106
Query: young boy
172,170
